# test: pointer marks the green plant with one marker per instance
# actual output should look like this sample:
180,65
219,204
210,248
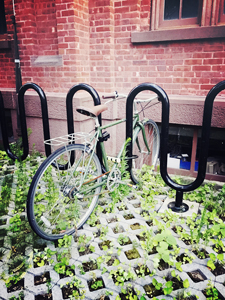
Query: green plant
170,218
15,223
93,219
123,239
103,231
97,284
182,295
5,196
80,267
200,195
218,230
211,292
163,241
120,276
41,258
186,283
213,258
157,285
141,270
147,199
82,241
167,290
49,285
16,270
65,241
129,292
77,288
12,280
19,297
63,267
219,246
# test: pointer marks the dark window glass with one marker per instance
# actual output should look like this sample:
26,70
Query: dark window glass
3,28
190,9
171,9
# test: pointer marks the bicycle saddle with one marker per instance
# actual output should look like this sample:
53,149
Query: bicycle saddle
91,111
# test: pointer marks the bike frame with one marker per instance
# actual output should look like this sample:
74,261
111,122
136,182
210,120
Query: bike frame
137,125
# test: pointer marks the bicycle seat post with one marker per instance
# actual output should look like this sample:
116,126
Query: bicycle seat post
135,108
96,122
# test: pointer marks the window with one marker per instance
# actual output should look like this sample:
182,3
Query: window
3,28
222,12
179,12
172,20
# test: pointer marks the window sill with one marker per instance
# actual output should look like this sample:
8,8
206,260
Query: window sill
208,32
5,43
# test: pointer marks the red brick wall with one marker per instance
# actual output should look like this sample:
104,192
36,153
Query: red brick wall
93,38
7,77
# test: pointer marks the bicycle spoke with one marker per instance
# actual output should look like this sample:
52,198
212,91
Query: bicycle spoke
61,201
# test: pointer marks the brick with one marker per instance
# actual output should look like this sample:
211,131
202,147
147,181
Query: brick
102,28
219,54
208,74
207,87
218,68
157,62
201,68
200,80
181,80
193,61
188,74
213,61
213,48
182,68
173,62
215,80
202,55
161,68
121,10
67,13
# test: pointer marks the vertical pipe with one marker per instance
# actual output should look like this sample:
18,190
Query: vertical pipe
206,124
17,58
69,108
45,121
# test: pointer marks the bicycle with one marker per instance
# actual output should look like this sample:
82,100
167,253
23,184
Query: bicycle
67,185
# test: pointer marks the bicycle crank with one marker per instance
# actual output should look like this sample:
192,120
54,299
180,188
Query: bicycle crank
113,179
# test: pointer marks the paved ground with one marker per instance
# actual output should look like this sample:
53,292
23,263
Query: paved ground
108,223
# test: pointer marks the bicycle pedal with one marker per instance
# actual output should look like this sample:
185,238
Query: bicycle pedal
128,184
105,137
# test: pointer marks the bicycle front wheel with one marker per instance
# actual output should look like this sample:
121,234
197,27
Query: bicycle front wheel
147,138
60,201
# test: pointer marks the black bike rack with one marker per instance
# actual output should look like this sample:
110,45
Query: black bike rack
44,109
178,205
69,108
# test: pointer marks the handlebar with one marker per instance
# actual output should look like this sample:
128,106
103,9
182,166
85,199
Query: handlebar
111,96
115,96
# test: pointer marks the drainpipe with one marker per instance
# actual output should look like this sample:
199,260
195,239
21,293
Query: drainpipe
17,66
16,49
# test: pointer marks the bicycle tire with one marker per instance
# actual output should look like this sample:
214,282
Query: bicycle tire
55,203
143,156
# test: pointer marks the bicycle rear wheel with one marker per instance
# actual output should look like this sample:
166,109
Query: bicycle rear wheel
60,201
140,149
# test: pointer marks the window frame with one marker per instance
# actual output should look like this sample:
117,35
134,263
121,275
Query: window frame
211,25
177,22
221,18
